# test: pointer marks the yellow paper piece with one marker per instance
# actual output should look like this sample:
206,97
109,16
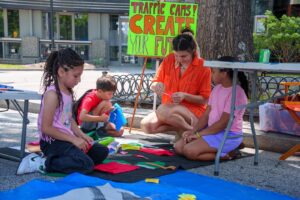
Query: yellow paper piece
184,196
129,147
152,180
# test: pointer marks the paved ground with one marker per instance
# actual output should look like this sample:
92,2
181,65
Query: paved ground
270,174
31,79
282,177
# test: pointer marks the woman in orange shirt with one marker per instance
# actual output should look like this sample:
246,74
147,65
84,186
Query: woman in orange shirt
184,85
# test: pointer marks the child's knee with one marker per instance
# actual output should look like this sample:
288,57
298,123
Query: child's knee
102,107
107,105
189,154
98,153
178,148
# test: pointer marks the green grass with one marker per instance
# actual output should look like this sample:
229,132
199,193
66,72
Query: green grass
11,66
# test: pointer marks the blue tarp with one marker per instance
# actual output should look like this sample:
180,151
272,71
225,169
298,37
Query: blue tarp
169,187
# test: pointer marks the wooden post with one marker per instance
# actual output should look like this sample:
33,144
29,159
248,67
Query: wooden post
155,95
138,94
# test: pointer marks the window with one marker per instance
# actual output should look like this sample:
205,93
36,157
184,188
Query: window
113,22
1,32
114,52
65,27
83,51
81,27
114,37
1,24
12,50
45,26
13,23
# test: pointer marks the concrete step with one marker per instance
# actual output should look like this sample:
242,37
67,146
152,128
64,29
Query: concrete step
269,141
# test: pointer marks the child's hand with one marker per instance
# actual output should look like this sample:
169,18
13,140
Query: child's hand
87,138
191,137
104,117
109,110
178,97
186,134
81,144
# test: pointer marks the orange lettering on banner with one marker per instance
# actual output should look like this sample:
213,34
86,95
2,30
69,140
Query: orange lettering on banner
153,24
149,22
180,10
148,8
170,26
179,21
141,7
171,9
134,4
189,21
132,24
159,19
161,9
187,10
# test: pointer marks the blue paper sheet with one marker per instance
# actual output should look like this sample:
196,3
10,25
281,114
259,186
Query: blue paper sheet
169,187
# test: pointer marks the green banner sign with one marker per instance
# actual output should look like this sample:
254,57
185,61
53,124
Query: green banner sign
153,25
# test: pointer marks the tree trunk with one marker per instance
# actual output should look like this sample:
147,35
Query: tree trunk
225,29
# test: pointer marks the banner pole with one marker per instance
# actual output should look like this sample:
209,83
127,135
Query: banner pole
138,94
155,95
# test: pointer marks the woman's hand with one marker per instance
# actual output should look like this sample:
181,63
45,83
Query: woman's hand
159,88
178,97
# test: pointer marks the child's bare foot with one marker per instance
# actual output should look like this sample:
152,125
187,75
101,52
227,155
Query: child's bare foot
121,132
115,133
232,155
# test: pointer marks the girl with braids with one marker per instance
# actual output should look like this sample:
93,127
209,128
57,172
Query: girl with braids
203,142
66,147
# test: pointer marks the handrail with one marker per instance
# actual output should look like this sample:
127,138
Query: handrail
6,39
66,41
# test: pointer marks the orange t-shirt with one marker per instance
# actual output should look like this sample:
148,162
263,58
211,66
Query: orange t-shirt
196,80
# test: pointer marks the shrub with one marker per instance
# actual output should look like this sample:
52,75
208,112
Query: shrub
282,37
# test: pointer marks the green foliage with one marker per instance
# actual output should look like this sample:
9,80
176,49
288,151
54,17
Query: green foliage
282,37
99,62
11,66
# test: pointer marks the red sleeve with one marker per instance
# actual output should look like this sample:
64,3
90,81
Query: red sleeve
205,88
87,103
160,74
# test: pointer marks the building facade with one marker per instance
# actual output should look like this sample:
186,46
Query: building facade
95,29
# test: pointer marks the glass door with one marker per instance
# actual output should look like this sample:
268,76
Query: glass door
1,32
65,27
123,33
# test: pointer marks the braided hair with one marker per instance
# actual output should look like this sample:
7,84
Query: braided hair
64,58
241,75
